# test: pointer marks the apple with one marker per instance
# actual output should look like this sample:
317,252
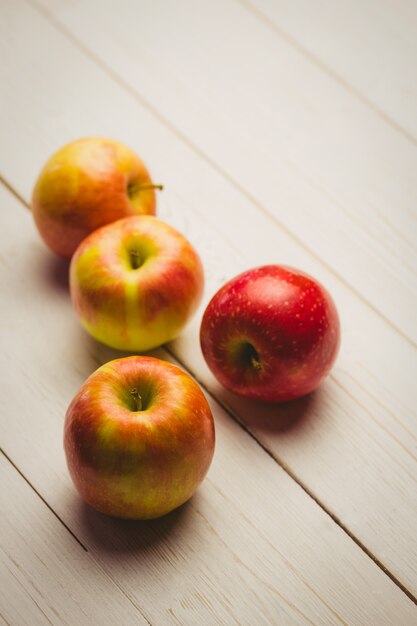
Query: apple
271,334
86,184
138,438
135,283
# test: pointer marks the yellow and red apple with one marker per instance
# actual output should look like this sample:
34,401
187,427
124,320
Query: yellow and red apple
271,333
86,184
139,438
135,283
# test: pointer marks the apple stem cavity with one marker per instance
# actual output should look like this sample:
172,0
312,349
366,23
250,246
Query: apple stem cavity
137,399
247,354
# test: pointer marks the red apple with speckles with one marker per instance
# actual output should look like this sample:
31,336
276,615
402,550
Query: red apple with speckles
139,438
86,184
271,334
135,283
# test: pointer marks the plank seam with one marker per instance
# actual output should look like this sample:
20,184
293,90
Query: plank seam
182,137
123,591
8,458
292,41
241,562
284,559
4,620
27,205
306,490
277,460
14,193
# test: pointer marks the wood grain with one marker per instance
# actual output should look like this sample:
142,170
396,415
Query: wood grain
353,444
250,548
45,576
271,150
318,160
369,46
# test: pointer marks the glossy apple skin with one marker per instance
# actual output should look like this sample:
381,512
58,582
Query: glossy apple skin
86,184
271,334
138,464
131,308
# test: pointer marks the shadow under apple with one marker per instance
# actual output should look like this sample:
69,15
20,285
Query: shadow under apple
54,269
100,353
276,418
115,536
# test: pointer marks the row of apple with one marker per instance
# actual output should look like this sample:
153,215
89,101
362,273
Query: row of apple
139,435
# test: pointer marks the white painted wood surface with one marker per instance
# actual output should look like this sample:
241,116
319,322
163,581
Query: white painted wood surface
370,46
250,548
46,576
311,154
238,123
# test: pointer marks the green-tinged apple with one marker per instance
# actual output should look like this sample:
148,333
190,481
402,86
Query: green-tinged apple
271,334
138,438
86,184
135,283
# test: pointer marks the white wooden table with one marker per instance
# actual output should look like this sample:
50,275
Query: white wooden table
284,131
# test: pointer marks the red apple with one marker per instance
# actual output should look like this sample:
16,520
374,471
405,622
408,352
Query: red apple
86,184
272,334
139,438
135,283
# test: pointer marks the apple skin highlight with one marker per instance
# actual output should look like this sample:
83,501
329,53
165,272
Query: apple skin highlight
138,464
135,283
272,334
86,184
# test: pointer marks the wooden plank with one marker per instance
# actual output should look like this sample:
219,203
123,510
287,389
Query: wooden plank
312,154
354,445
368,45
46,577
250,548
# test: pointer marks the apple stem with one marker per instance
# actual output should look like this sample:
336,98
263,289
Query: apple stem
150,186
255,363
137,398
135,259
